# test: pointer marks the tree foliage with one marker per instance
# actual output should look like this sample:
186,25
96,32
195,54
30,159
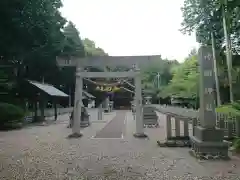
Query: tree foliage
157,76
73,45
30,27
31,37
185,79
205,16
91,49
33,33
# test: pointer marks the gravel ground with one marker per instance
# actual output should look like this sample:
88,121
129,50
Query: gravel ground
45,153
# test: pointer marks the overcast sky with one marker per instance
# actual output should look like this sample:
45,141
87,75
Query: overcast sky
132,27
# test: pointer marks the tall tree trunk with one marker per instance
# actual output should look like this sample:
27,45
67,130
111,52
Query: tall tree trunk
228,51
215,70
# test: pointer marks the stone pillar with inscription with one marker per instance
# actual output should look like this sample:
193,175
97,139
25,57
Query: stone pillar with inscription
207,139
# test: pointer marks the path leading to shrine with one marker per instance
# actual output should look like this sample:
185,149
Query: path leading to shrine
46,153
115,128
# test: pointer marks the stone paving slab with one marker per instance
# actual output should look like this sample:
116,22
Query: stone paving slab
114,129
45,153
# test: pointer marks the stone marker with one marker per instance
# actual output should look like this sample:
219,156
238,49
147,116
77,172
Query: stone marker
150,117
207,138
100,112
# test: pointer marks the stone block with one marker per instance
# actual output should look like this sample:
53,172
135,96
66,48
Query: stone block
209,148
209,134
85,122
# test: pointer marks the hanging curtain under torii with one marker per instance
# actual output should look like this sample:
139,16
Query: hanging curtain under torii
107,87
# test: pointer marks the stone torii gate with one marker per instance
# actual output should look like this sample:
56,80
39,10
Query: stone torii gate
101,62
80,74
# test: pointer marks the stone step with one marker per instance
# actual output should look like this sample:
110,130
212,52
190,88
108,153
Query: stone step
149,109
151,126
84,123
150,114
149,118
150,121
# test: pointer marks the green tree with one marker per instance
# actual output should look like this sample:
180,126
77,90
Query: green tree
214,21
29,27
157,76
73,45
185,79
91,49
31,36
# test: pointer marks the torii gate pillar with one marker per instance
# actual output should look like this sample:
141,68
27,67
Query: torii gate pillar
139,108
77,105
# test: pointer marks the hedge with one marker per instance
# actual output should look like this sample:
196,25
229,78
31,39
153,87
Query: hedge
11,116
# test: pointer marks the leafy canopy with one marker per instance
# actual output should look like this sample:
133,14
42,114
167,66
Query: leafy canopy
185,79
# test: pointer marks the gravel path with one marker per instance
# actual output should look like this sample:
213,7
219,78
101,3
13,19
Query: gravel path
44,153
114,129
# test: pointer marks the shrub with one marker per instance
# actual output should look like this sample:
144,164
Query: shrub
236,145
236,105
11,116
229,109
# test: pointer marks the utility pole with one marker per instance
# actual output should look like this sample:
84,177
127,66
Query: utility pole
228,49
158,80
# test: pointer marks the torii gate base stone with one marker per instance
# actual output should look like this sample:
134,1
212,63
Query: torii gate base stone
80,74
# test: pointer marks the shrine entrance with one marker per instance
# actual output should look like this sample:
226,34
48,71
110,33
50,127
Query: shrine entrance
114,92
119,63
134,73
